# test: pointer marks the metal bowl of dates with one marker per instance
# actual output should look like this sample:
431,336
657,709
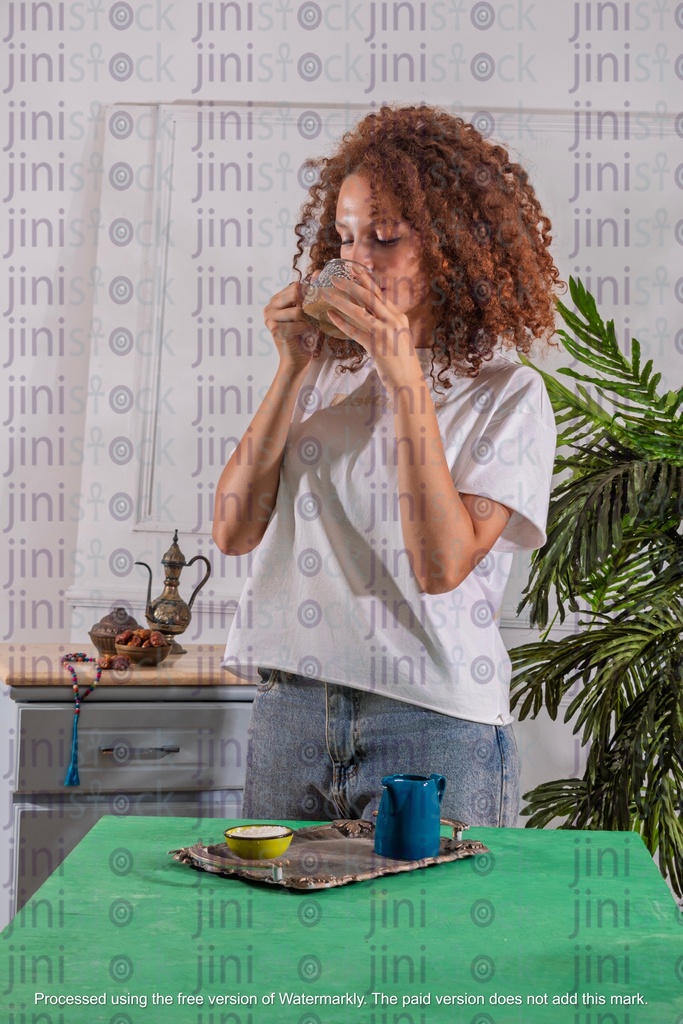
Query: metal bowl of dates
143,646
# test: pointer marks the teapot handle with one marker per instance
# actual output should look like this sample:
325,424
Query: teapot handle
201,558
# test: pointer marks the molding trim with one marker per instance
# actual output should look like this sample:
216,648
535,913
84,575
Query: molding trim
134,598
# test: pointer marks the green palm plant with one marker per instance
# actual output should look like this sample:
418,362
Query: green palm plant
614,554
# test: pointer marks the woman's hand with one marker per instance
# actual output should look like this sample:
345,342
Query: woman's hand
361,310
294,337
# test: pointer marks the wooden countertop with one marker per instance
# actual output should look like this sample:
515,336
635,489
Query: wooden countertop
39,665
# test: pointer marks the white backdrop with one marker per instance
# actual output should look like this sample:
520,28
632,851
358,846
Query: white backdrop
111,207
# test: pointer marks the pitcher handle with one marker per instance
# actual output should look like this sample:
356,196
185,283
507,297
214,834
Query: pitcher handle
440,784
207,563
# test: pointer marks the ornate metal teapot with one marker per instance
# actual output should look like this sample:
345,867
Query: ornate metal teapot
169,613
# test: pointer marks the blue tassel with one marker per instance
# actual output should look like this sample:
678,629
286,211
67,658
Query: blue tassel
72,778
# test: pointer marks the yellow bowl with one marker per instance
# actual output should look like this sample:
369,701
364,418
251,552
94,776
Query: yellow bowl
258,842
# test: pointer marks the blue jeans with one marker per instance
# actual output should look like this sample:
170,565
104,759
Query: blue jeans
318,751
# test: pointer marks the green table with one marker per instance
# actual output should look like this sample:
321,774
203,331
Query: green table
579,917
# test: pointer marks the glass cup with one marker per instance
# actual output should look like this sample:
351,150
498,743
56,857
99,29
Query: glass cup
315,305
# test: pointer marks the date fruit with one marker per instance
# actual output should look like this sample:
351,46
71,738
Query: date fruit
141,638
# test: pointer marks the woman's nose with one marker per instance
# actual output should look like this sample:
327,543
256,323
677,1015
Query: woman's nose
360,252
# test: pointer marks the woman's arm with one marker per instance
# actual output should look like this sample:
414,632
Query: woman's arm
248,486
445,533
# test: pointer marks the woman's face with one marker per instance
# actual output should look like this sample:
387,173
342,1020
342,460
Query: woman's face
389,248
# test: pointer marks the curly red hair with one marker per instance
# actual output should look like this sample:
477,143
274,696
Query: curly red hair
485,239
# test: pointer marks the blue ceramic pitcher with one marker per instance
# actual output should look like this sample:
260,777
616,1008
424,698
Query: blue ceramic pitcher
409,816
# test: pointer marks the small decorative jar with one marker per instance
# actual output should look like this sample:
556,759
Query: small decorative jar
103,633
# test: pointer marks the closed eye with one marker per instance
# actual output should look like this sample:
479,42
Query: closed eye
378,241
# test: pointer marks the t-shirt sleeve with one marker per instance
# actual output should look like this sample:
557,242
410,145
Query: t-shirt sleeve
510,459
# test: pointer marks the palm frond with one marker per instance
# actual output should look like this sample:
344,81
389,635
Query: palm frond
614,554
610,500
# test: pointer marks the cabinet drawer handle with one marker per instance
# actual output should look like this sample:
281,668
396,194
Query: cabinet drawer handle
140,751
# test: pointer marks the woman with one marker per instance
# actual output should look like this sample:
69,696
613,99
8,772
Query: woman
389,477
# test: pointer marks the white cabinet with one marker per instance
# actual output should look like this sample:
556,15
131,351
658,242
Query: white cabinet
133,747
159,750
174,759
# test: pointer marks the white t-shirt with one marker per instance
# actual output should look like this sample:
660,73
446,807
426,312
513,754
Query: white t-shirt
332,595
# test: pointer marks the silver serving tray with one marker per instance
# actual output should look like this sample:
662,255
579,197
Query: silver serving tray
324,856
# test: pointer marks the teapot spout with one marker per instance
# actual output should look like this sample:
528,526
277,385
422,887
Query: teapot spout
149,586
